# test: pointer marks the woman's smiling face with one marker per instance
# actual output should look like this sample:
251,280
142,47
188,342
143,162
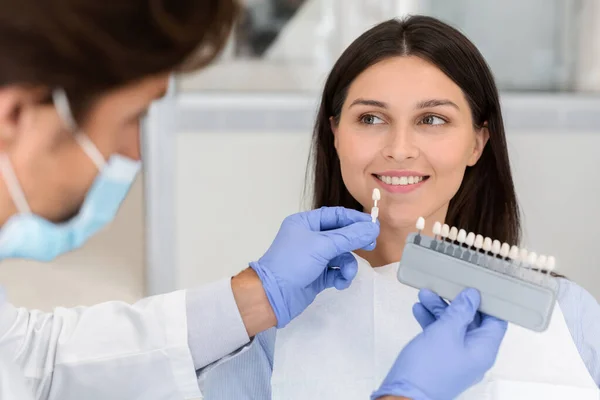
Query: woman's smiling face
406,128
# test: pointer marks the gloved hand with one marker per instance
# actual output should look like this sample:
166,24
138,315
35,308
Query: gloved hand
457,347
298,265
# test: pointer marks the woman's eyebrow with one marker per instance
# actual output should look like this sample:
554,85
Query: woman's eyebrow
436,103
368,102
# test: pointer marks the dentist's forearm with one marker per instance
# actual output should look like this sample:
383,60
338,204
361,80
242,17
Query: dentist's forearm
251,299
223,316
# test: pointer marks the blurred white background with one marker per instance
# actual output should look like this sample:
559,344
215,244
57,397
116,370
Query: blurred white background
226,152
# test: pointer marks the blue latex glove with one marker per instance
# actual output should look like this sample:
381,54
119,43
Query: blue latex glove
457,347
311,253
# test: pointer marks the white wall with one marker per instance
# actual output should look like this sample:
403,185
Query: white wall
230,202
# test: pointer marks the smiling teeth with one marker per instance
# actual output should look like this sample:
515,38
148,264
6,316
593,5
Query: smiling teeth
400,180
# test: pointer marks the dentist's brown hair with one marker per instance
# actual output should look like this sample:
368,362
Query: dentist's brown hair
89,47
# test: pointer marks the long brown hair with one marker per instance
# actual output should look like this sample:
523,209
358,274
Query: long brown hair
485,202
88,47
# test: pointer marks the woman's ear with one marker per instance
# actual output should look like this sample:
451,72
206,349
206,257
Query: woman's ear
334,128
482,135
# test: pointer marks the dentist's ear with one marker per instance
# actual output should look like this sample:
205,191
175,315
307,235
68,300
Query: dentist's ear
17,105
12,102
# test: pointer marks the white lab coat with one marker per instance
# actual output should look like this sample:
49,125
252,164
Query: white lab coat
109,351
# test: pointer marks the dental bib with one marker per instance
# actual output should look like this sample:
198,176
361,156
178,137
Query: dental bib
344,344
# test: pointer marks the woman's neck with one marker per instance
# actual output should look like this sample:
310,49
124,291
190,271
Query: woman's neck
390,245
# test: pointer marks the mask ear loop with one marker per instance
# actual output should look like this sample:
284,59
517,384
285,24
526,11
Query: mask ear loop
61,102
13,185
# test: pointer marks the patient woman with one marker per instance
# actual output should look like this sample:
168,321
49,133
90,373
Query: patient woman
411,108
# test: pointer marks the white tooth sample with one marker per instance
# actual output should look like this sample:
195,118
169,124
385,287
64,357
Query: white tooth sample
532,258
496,247
403,180
523,256
514,253
376,195
478,242
551,264
462,236
541,262
437,228
411,180
421,223
453,233
487,244
445,231
470,241
504,250
396,180
374,213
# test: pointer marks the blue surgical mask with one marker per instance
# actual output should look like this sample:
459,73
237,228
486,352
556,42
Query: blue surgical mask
29,236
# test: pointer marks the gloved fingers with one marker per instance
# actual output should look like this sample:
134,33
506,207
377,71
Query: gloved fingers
462,310
422,315
337,217
350,238
348,268
370,246
490,332
432,302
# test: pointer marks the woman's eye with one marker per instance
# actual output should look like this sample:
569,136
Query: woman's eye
432,120
370,119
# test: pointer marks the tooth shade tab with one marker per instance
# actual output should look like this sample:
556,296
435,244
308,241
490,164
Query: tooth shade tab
453,233
376,195
470,241
487,244
437,228
532,259
504,250
421,223
551,264
541,262
462,236
523,255
478,242
496,246
445,231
